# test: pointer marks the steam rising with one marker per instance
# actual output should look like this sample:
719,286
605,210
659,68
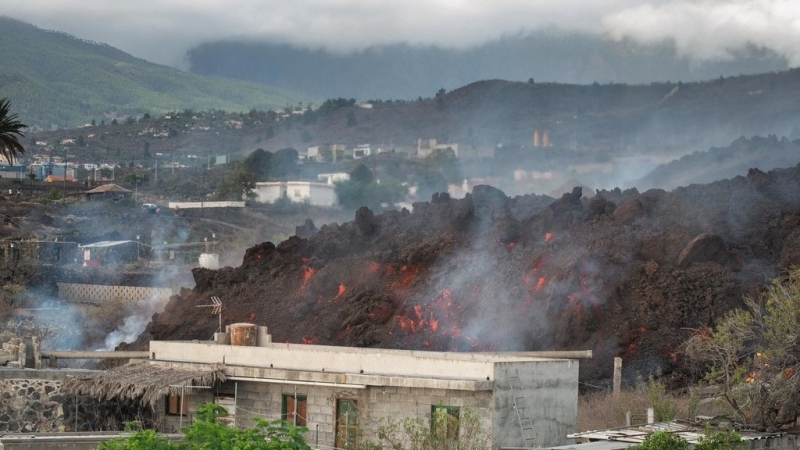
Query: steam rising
134,324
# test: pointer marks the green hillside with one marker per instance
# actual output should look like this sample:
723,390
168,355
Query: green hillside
53,78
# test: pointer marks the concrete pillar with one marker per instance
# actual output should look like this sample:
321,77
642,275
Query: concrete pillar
263,337
37,355
651,415
617,375
22,354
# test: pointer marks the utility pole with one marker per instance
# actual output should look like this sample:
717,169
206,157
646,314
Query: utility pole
64,197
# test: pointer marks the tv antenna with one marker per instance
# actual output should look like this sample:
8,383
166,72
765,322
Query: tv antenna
216,309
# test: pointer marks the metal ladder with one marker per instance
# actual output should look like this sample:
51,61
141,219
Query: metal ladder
525,422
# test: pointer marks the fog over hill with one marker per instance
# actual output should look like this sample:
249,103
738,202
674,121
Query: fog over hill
404,71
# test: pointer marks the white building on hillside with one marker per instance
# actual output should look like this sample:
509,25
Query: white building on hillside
317,194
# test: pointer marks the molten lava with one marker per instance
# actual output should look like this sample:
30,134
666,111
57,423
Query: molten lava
342,288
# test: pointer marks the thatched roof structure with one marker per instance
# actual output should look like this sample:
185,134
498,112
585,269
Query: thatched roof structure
142,381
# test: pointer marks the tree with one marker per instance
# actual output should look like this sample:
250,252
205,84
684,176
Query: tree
445,162
208,432
10,133
260,163
361,174
440,98
752,353
238,186
284,162
351,119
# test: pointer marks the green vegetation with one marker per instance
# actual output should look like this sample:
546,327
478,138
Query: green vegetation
363,190
662,440
711,440
65,81
238,186
10,133
750,356
208,432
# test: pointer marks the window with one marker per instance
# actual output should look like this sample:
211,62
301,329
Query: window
294,409
346,423
444,421
176,405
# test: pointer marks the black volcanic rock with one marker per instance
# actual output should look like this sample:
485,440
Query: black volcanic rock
488,273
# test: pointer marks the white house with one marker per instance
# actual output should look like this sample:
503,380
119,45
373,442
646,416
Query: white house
333,178
317,194
360,151
426,146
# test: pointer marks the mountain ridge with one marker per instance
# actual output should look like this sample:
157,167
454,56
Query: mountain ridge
55,79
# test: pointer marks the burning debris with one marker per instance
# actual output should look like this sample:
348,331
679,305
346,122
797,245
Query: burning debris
621,274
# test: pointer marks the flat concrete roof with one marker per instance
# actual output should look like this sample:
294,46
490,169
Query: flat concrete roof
349,365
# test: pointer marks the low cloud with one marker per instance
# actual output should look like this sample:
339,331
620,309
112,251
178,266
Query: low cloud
163,30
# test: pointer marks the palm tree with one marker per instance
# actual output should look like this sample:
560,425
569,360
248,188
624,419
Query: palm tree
10,132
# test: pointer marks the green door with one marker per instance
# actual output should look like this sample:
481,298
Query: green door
346,423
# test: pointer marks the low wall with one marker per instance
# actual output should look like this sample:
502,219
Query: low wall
96,293
198,205
62,441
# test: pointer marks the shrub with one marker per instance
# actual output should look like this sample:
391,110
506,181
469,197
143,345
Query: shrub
662,440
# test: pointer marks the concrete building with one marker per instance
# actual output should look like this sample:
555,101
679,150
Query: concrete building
317,194
110,252
326,152
426,146
520,399
361,151
13,252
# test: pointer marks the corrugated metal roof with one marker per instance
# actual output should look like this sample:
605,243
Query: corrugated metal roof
596,445
108,188
104,244
636,434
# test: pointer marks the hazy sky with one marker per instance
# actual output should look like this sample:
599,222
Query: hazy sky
162,30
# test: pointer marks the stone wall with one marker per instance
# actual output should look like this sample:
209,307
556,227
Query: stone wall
32,401
31,405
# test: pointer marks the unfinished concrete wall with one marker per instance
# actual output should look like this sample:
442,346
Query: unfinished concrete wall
375,405
549,393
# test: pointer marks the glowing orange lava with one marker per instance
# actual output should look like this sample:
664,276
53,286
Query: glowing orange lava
307,273
342,288
548,236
